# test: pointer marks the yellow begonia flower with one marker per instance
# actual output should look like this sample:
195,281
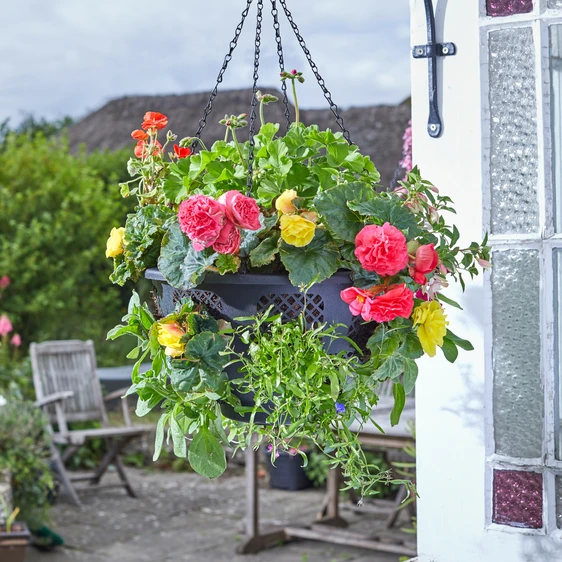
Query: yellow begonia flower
432,322
169,336
296,231
114,246
284,202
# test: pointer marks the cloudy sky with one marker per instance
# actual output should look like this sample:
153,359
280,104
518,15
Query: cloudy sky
68,57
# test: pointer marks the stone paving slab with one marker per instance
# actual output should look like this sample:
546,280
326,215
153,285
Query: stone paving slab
188,518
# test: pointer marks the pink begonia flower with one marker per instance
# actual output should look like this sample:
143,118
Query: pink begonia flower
484,263
16,340
5,325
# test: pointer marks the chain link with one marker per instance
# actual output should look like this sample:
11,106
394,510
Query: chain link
314,68
276,27
253,114
227,59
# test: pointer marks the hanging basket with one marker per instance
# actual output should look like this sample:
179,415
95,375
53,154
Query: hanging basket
232,296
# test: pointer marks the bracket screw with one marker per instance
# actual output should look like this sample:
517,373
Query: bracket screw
445,50
420,51
433,127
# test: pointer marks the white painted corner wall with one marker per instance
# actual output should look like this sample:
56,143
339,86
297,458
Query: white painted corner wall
453,402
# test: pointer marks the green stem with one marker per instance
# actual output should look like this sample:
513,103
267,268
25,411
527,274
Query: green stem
225,135
262,120
235,139
296,102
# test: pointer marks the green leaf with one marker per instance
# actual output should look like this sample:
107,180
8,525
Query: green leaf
158,441
205,348
313,263
441,297
227,263
333,206
179,263
463,344
399,402
174,189
334,385
337,153
184,376
411,348
206,455
392,368
387,210
145,406
450,350
178,437
266,251
410,375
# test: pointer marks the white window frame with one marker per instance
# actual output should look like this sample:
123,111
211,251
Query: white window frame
545,241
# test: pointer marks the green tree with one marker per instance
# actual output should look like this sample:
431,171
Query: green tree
56,211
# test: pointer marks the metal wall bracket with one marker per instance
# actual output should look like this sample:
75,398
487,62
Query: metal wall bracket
430,52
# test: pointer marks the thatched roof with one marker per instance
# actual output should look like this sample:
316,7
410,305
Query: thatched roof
377,130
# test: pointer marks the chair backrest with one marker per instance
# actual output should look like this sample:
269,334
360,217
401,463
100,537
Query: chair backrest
69,365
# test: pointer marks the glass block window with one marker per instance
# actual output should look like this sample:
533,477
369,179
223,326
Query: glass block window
508,7
559,502
513,134
555,3
518,394
518,499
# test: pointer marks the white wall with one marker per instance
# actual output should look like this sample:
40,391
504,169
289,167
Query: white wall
450,404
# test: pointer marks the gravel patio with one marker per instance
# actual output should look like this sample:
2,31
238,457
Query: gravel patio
183,517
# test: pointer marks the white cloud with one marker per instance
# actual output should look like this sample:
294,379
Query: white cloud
70,56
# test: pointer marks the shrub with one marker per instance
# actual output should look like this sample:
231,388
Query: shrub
56,209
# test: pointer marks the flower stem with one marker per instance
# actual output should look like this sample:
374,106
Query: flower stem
262,120
235,139
296,102
226,135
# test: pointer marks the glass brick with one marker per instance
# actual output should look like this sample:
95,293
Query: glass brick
518,499
554,4
557,263
517,394
513,134
508,7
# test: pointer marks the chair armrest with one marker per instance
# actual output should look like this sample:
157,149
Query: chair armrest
55,397
120,393
116,394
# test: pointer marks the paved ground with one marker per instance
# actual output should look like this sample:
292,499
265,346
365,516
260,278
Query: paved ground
187,518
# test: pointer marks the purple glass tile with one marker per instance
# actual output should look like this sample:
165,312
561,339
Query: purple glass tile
508,7
518,499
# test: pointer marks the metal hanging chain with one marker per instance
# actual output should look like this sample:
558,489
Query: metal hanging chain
276,27
253,115
314,68
227,59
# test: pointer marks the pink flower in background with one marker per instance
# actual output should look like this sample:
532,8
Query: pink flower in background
406,162
241,210
4,281
201,219
5,325
16,340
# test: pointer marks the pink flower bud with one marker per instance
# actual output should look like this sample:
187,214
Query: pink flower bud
294,71
485,264
5,325
16,340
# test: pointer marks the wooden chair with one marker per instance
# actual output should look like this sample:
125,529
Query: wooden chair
68,389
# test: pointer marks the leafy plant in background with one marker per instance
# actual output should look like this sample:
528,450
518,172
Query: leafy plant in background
24,451
55,210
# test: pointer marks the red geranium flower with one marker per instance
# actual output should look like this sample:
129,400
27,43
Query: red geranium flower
141,149
181,152
154,120
138,135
